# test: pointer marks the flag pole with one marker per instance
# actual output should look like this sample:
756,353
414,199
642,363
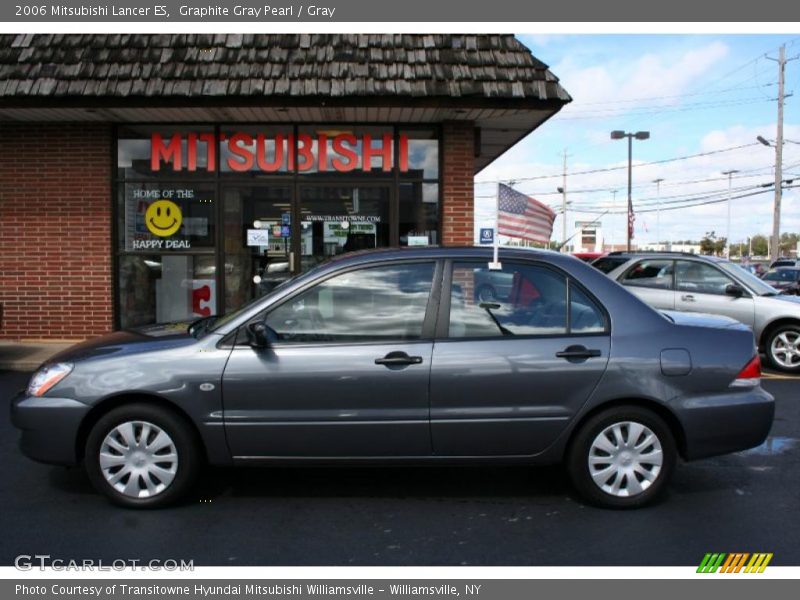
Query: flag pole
495,264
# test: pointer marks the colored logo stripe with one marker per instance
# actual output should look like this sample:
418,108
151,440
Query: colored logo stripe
734,562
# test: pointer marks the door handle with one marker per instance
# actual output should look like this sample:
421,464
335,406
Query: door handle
398,359
577,353
687,298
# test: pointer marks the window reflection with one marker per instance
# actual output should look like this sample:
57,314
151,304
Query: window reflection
376,304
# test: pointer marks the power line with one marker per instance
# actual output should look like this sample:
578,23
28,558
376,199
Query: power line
644,111
675,96
704,203
642,164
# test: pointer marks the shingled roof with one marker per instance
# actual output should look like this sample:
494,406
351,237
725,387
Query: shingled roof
250,65
492,81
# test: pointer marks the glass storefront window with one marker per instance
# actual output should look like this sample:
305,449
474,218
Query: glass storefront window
169,217
423,153
344,151
337,219
159,288
252,151
168,151
256,241
419,214
204,212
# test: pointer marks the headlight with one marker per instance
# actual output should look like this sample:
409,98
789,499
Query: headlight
46,377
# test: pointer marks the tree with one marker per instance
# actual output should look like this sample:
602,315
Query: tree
711,244
759,245
788,243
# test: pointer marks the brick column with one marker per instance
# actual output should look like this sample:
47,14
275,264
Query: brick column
55,230
458,169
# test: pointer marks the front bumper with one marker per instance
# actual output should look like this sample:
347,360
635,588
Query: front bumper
49,427
722,423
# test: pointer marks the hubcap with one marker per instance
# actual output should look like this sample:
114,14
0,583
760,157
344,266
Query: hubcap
784,349
138,459
625,459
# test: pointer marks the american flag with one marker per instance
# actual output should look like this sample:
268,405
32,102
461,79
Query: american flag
523,217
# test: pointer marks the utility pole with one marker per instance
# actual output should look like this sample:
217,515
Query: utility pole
728,233
776,215
658,210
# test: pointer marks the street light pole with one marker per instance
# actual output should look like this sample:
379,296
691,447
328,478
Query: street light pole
639,135
728,233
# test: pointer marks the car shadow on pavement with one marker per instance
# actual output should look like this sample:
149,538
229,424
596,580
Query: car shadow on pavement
542,483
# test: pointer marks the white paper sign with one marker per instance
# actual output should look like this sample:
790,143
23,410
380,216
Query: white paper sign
257,237
418,240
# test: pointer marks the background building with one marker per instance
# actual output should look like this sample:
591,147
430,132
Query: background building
150,178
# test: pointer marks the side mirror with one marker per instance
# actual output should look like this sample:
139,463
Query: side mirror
258,335
735,290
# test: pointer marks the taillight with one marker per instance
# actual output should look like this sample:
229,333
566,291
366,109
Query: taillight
750,375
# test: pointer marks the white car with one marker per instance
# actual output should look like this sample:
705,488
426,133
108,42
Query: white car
705,284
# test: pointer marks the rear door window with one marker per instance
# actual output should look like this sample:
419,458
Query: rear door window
657,274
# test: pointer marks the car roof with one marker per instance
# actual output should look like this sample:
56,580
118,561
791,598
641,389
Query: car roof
632,255
399,252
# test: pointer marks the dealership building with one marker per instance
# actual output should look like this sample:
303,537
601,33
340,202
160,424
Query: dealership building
151,178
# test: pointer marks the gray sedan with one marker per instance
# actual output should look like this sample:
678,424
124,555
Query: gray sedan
705,284
391,357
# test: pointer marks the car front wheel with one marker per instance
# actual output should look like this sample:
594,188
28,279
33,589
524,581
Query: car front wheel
622,457
142,456
783,348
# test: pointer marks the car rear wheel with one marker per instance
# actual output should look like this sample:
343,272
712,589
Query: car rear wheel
622,457
142,456
783,348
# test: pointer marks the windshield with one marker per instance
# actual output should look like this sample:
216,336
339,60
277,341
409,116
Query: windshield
753,282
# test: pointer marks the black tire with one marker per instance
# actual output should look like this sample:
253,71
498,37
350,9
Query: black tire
792,330
184,438
577,461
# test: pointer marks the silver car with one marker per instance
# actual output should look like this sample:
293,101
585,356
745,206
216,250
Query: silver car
705,284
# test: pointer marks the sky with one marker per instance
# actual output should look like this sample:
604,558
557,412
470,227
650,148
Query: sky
695,94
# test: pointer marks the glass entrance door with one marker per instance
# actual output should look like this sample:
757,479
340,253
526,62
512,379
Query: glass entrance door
256,240
342,218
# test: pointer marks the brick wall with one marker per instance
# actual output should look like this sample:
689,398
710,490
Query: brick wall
458,202
55,230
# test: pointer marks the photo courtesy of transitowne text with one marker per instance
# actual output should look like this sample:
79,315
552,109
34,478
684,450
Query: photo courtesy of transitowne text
402,301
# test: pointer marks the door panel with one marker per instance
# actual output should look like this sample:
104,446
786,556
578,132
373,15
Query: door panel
701,288
347,374
323,401
508,397
497,384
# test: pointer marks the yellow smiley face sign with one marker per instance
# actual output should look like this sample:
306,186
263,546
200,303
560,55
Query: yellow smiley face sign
163,218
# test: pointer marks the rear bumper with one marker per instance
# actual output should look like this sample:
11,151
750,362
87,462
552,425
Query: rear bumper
723,423
49,427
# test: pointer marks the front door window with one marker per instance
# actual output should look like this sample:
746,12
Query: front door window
379,304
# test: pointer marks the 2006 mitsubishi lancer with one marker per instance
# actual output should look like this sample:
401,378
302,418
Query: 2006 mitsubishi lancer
393,357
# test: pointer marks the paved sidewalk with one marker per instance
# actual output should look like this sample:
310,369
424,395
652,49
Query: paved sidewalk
26,356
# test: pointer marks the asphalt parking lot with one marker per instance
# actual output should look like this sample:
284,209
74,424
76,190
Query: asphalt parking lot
747,502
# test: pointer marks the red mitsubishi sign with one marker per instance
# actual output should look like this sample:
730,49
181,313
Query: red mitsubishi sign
343,152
